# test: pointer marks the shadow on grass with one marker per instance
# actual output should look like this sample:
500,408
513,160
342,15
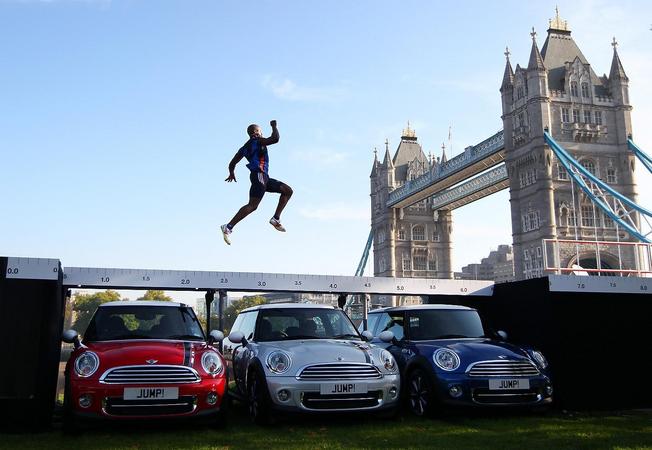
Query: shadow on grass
485,429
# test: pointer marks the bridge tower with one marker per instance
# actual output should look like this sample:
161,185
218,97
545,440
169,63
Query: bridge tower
408,242
590,117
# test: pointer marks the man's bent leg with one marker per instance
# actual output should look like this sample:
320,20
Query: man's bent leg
286,192
245,211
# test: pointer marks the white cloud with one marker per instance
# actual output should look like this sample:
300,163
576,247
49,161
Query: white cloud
336,211
286,89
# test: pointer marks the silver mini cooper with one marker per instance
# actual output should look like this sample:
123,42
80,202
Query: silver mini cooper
305,357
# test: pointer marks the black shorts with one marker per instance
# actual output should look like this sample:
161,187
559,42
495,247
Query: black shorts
261,183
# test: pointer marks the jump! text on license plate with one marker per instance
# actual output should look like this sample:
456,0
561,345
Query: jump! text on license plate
342,388
151,393
508,384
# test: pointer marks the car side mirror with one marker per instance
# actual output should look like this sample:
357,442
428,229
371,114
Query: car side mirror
502,335
237,337
388,336
367,335
71,337
215,336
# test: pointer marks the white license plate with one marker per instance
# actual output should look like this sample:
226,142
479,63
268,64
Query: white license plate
342,388
509,384
151,393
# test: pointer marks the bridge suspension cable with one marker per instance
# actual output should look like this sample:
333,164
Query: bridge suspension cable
641,155
623,211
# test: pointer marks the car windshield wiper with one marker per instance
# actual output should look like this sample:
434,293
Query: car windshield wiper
346,336
192,337
301,336
127,336
450,336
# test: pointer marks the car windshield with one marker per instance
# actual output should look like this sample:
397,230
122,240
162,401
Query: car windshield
144,322
303,323
444,324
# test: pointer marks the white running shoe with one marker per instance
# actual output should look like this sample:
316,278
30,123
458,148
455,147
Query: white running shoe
225,233
276,224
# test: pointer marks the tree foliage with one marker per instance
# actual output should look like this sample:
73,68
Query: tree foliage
232,311
153,294
84,306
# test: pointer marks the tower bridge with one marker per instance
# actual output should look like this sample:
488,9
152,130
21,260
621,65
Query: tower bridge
566,154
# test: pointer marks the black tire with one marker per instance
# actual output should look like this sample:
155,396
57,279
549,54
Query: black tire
70,425
258,401
221,420
420,393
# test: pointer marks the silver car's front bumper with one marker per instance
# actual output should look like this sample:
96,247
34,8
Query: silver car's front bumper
382,393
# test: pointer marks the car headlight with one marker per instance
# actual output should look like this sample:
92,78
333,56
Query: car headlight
278,362
539,358
211,363
446,359
86,364
388,361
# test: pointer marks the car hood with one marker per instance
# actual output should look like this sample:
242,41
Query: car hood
472,350
134,353
316,351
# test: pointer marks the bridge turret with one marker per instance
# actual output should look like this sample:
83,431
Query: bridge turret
619,90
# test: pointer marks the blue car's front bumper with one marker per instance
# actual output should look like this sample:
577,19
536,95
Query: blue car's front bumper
461,389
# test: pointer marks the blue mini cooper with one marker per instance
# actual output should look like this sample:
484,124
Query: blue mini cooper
447,357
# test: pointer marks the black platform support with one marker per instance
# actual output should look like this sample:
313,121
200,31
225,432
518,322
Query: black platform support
31,321
598,343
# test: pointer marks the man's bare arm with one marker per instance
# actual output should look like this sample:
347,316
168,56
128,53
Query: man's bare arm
236,159
273,139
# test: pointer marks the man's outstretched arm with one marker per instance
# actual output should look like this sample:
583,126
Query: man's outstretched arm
273,139
236,159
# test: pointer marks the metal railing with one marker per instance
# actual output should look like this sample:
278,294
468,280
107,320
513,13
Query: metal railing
633,258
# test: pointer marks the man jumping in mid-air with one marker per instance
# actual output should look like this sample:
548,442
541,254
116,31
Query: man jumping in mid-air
255,150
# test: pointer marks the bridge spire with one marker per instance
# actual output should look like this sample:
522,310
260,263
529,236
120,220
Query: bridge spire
508,76
557,24
443,154
536,61
387,161
617,71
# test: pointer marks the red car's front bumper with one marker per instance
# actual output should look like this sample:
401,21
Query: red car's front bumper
202,398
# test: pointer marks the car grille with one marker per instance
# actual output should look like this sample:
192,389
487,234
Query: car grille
339,371
315,400
487,397
150,375
503,369
134,408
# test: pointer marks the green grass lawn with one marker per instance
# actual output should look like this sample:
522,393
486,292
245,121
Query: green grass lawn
487,431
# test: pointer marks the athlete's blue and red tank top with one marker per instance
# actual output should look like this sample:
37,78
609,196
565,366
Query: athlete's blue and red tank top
256,154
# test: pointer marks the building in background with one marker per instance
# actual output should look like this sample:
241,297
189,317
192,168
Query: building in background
497,267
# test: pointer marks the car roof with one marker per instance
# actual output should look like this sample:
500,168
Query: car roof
141,303
420,308
289,306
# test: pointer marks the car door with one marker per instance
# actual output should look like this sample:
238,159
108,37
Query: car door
394,322
241,353
228,347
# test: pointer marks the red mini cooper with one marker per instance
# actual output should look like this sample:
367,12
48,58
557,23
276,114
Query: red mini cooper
144,360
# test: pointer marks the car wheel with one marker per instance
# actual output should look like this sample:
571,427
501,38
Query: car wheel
69,421
257,399
420,393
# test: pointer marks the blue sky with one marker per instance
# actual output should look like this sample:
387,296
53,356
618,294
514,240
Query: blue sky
118,119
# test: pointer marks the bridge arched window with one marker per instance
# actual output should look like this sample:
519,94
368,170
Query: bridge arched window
608,221
418,233
573,88
382,265
561,172
585,90
407,262
588,219
420,262
589,165
401,234
611,175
